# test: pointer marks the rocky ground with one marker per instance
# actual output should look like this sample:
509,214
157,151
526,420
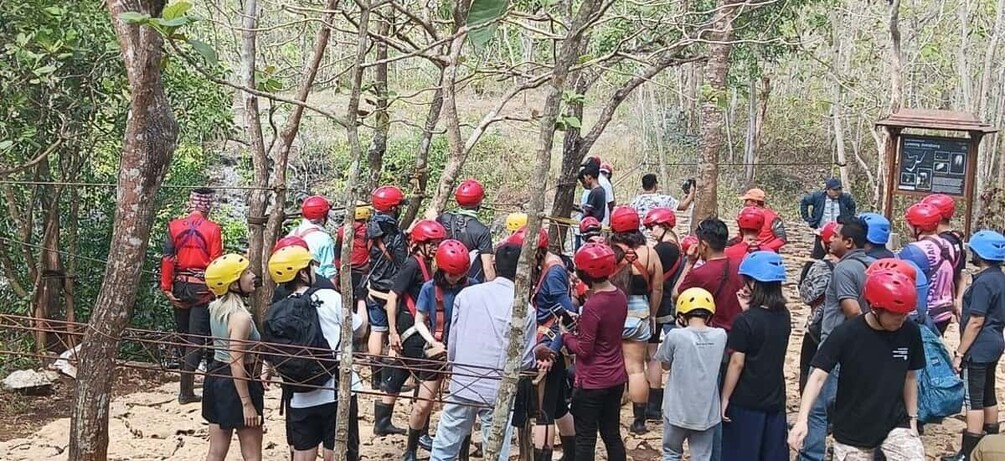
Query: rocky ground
148,424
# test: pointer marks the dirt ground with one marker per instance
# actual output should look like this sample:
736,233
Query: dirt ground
148,424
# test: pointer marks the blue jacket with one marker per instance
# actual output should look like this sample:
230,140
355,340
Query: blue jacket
817,200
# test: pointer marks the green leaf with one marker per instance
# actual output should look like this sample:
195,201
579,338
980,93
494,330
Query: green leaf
6,144
44,70
176,10
484,12
175,22
134,17
573,122
208,52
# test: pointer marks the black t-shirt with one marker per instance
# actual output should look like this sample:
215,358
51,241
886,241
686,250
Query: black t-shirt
408,281
874,366
473,234
763,336
596,204
670,256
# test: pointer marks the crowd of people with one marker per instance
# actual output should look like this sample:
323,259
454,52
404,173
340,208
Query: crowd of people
693,330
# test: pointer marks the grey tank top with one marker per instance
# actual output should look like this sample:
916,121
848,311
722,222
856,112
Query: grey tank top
221,338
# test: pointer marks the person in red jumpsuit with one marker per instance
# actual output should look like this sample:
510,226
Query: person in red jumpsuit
772,236
193,241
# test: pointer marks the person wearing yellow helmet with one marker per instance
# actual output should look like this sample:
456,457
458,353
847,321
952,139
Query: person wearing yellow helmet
691,406
514,221
232,400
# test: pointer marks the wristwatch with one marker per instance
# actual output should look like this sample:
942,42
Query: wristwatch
957,354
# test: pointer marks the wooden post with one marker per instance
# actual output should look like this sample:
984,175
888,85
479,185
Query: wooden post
971,178
892,164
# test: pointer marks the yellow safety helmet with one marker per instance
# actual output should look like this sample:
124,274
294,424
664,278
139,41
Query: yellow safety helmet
287,262
515,221
224,271
362,212
693,299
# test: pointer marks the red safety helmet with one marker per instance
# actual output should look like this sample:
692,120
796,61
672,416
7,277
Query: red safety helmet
452,257
315,207
427,230
606,167
288,241
899,266
945,204
589,224
519,235
923,217
386,198
828,232
596,260
750,218
891,291
687,242
624,219
469,193
662,216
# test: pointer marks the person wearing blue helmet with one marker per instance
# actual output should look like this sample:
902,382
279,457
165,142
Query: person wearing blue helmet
753,394
982,321
919,261
877,235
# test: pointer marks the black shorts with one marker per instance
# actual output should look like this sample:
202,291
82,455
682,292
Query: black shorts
309,427
979,385
654,338
221,405
553,405
359,290
413,347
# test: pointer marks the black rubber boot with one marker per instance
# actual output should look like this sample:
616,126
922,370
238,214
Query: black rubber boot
425,441
375,375
639,422
465,453
412,445
186,391
382,420
546,454
568,448
969,442
538,454
991,429
654,411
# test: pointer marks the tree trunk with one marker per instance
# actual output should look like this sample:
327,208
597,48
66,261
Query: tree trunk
986,106
896,87
572,156
507,387
451,119
382,120
749,147
711,127
151,133
258,250
836,113
349,201
420,179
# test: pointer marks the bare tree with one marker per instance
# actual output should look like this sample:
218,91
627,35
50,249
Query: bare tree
896,91
151,133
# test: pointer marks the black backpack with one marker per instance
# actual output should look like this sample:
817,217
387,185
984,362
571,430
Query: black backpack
299,351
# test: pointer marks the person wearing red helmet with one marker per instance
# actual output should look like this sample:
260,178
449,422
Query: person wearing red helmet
947,207
404,339
923,220
388,253
192,242
551,294
651,198
595,340
659,223
359,258
813,281
749,221
314,211
433,311
879,354
640,276
463,225
772,236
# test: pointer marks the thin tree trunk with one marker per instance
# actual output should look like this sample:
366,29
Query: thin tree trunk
572,155
985,105
382,120
896,88
348,201
762,117
151,133
749,148
711,127
69,300
507,387
421,176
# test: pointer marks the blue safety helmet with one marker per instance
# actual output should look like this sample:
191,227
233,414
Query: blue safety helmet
988,245
763,266
879,228
913,254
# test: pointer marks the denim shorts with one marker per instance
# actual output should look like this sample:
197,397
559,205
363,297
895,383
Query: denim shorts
378,315
637,329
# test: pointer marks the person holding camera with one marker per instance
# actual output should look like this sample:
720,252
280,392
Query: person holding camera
651,198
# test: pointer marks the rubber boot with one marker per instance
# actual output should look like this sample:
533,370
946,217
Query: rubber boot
375,375
991,429
568,448
547,454
186,392
412,445
639,422
382,420
969,442
425,440
465,453
654,411
538,454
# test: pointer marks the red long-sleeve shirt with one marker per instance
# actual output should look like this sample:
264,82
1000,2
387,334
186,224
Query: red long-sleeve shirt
600,363
191,244
772,236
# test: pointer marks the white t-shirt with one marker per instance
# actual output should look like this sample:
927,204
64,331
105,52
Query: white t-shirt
330,317
609,192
